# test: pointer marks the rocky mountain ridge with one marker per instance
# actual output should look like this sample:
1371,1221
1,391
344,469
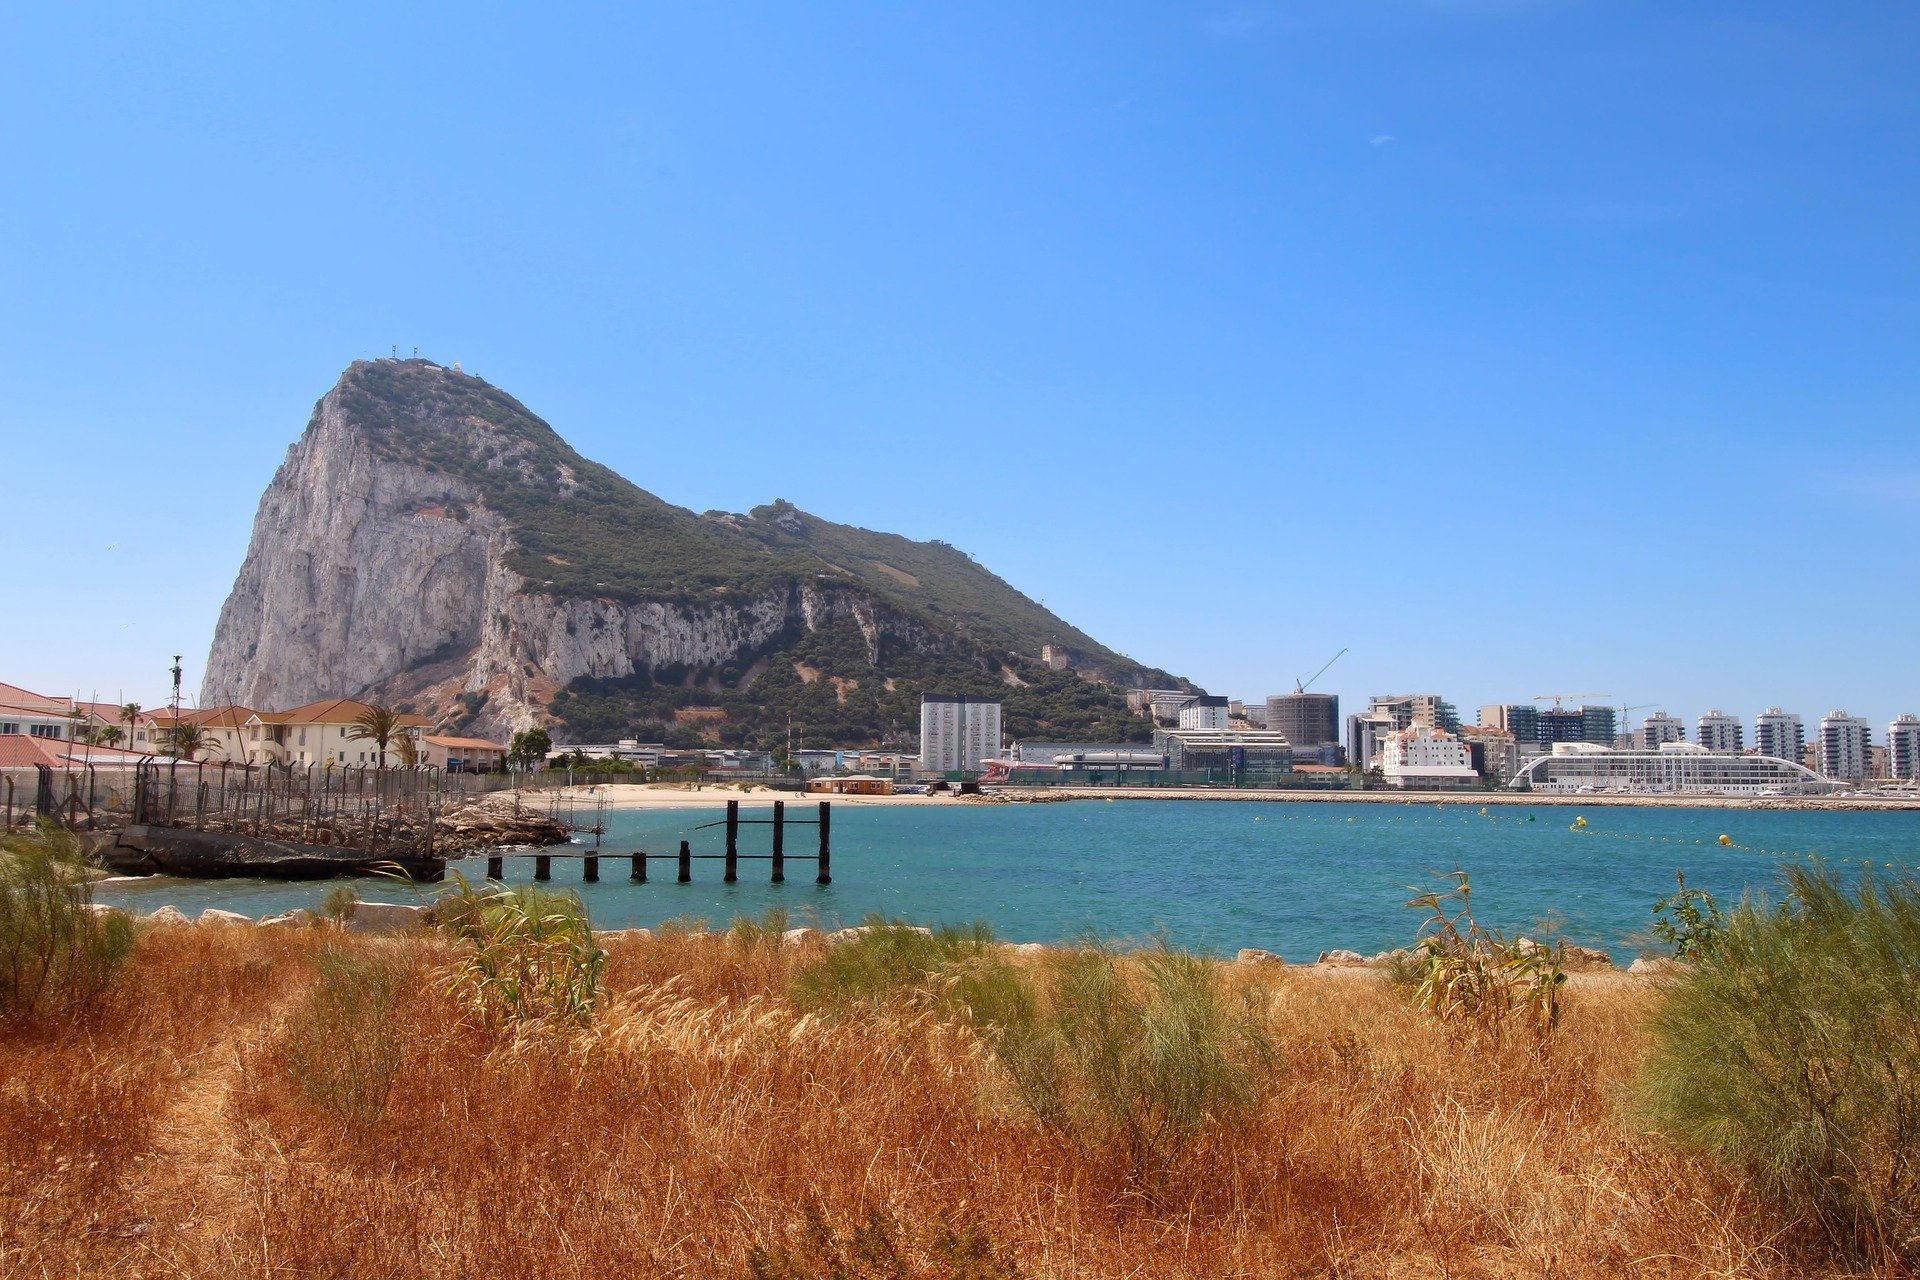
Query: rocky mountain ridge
430,541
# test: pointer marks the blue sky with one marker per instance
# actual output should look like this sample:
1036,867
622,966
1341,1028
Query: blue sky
1515,345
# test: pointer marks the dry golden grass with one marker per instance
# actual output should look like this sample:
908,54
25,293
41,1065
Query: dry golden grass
703,1114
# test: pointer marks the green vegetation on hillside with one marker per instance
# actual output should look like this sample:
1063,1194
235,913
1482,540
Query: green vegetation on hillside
839,698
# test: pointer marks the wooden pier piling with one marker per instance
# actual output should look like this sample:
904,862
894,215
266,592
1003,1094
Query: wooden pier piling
686,862
496,867
590,871
639,875
826,844
543,867
733,842
779,842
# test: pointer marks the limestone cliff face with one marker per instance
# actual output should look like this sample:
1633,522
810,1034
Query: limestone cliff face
370,575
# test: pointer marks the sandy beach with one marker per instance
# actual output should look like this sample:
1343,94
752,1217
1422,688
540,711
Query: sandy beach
674,795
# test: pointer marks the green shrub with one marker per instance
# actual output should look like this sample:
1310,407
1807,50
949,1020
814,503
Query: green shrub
768,931
340,902
533,957
1126,1059
56,952
342,1048
878,1249
1791,1053
888,958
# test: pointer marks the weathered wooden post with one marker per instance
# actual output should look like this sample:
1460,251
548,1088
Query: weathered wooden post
826,845
543,866
686,863
590,874
779,842
496,867
733,842
639,867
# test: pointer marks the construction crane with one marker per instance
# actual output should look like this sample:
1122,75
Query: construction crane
1559,697
1300,686
1626,725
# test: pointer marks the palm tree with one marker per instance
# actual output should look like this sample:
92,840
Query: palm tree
129,716
189,740
407,748
378,725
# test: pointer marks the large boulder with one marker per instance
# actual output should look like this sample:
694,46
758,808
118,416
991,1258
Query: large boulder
800,937
214,915
299,917
388,917
1258,955
166,915
1342,958
1655,967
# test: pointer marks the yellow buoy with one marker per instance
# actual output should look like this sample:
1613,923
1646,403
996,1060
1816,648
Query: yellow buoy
1726,839
1579,821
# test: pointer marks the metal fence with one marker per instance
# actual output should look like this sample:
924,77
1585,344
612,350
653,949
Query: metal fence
352,806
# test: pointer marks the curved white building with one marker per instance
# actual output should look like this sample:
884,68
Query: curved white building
1677,768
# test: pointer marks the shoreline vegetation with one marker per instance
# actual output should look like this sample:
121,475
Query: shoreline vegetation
484,1085
645,795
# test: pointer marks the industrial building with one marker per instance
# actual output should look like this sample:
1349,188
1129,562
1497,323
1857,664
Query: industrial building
1204,712
1229,755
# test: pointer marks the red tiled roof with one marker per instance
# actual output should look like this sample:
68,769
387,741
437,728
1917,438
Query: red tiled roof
23,751
464,744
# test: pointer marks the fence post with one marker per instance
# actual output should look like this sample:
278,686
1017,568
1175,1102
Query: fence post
686,863
826,845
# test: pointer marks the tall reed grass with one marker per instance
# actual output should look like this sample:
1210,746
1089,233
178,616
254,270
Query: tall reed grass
1791,1054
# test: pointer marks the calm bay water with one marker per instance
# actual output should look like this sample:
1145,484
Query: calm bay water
1294,878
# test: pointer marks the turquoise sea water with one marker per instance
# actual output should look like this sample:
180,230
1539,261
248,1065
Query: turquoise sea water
1294,878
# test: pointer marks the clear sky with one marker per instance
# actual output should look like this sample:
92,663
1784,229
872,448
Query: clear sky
1517,346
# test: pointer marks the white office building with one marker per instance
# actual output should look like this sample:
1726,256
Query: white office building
1206,712
1843,747
1660,728
1903,748
958,732
1425,759
1722,732
1677,768
1780,734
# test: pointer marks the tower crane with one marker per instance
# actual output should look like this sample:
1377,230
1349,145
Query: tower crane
1300,686
1559,697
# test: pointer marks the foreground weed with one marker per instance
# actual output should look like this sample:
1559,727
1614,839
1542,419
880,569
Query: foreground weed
1126,1059
888,958
533,957
1791,1053
343,1050
878,1249
1689,921
1465,972
56,953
